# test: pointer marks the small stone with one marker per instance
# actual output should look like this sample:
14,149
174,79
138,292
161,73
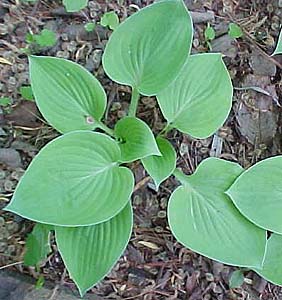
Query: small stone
161,214
12,227
71,46
261,65
3,29
2,174
225,45
2,221
10,157
63,54
97,58
209,277
9,186
3,247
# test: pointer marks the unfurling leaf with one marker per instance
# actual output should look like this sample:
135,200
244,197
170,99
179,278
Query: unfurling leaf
161,167
136,139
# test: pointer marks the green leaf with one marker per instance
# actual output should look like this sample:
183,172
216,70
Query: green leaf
75,180
74,5
26,93
38,245
89,27
40,282
68,96
110,19
260,184
29,38
209,33
46,38
90,252
136,139
161,167
204,219
5,101
236,279
199,100
148,50
235,31
272,265
278,49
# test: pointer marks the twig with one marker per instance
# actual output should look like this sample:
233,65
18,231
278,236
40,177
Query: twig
141,183
11,265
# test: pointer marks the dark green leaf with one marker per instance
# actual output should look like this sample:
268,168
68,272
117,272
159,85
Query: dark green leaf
26,93
236,279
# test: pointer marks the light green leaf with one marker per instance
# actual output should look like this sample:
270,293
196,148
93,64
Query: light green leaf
5,101
26,93
110,19
199,100
278,49
209,33
46,38
74,5
137,139
161,167
68,96
90,26
148,50
236,279
90,252
37,245
204,219
257,193
235,31
74,181
272,265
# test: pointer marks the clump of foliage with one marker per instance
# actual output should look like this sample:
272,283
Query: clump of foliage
80,184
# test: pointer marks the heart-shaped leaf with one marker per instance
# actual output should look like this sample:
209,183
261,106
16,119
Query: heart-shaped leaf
199,100
257,193
74,181
161,167
74,5
204,219
37,244
272,265
137,139
148,50
278,49
90,252
68,96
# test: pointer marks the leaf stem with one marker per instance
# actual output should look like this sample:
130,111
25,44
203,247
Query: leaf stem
180,175
105,128
166,129
134,102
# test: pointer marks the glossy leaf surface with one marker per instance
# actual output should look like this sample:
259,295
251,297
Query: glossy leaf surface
90,252
199,100
257,193
137,139
68,96
203,218
75,180
148,50
161,167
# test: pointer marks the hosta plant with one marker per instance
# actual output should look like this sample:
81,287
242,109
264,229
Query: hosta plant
80,184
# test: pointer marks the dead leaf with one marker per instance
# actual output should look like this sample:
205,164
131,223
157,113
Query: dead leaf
149,245
5,61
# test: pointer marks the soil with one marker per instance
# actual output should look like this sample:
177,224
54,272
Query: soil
162,268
